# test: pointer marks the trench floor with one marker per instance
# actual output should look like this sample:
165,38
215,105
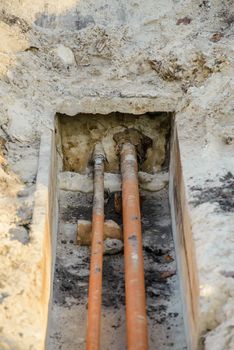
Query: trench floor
69,309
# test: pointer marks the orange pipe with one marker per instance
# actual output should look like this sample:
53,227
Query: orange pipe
137,337
95,279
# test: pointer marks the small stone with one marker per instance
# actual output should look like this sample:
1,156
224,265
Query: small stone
25,214
185,20
229,274
65,54
3,296
20,234
229,140
113,246
23,193
216,37
167,274
168,258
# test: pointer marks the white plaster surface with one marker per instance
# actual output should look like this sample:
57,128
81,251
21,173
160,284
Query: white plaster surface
71,181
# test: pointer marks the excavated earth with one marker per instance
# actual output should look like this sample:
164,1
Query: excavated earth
97,57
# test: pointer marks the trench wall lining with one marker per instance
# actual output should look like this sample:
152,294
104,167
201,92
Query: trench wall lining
44,229
184,246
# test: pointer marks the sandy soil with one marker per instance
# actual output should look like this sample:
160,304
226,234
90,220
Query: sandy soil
77,56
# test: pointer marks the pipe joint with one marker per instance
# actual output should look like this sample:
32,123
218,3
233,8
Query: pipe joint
99,155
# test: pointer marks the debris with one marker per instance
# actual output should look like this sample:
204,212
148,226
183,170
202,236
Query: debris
32,48
100,45
216,37
167,274
20,234
168,258
184,20
65,54
118,202
113,246
84,231
169,70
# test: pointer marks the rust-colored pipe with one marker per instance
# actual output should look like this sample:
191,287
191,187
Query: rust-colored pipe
137,338
95,279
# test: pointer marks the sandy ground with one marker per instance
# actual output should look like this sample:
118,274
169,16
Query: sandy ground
80,55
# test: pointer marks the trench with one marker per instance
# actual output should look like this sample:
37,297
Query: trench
75,139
